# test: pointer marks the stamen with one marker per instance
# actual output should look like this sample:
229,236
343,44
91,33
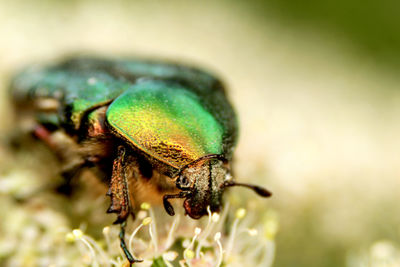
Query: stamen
252,232
153,229
153,235
145,206
78,235
106,233
240,213
113,262
212,218
269,254
189,253
171,231
217,238
98,248
145,221
222,217
168,257
141,214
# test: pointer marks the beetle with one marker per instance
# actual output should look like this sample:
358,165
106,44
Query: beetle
154,131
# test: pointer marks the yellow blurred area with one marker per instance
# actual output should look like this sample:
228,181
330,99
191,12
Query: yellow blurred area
319,120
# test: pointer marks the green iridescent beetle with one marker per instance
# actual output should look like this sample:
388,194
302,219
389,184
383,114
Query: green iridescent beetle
155,131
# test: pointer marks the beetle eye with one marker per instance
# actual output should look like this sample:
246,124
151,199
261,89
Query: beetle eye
183,182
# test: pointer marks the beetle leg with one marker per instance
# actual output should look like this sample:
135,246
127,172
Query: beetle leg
118,190
128,255
120,201
45,135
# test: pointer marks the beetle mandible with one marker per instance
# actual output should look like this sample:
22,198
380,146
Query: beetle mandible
155,131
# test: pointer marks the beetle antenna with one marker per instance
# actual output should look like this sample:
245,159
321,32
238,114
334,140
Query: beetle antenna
261,191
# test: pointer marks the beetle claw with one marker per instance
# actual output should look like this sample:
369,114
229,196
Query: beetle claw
112,209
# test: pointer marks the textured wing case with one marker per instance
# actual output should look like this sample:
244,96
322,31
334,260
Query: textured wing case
167,122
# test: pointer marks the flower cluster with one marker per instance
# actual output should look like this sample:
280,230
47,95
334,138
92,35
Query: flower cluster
36,230
210,245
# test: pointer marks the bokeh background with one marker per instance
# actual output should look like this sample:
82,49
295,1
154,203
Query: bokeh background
315,84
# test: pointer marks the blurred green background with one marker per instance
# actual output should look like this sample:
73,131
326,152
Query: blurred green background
315,84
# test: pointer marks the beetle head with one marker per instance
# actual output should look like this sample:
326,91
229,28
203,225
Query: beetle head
202,184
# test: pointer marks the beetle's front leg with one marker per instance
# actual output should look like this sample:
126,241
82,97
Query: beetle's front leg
120,200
